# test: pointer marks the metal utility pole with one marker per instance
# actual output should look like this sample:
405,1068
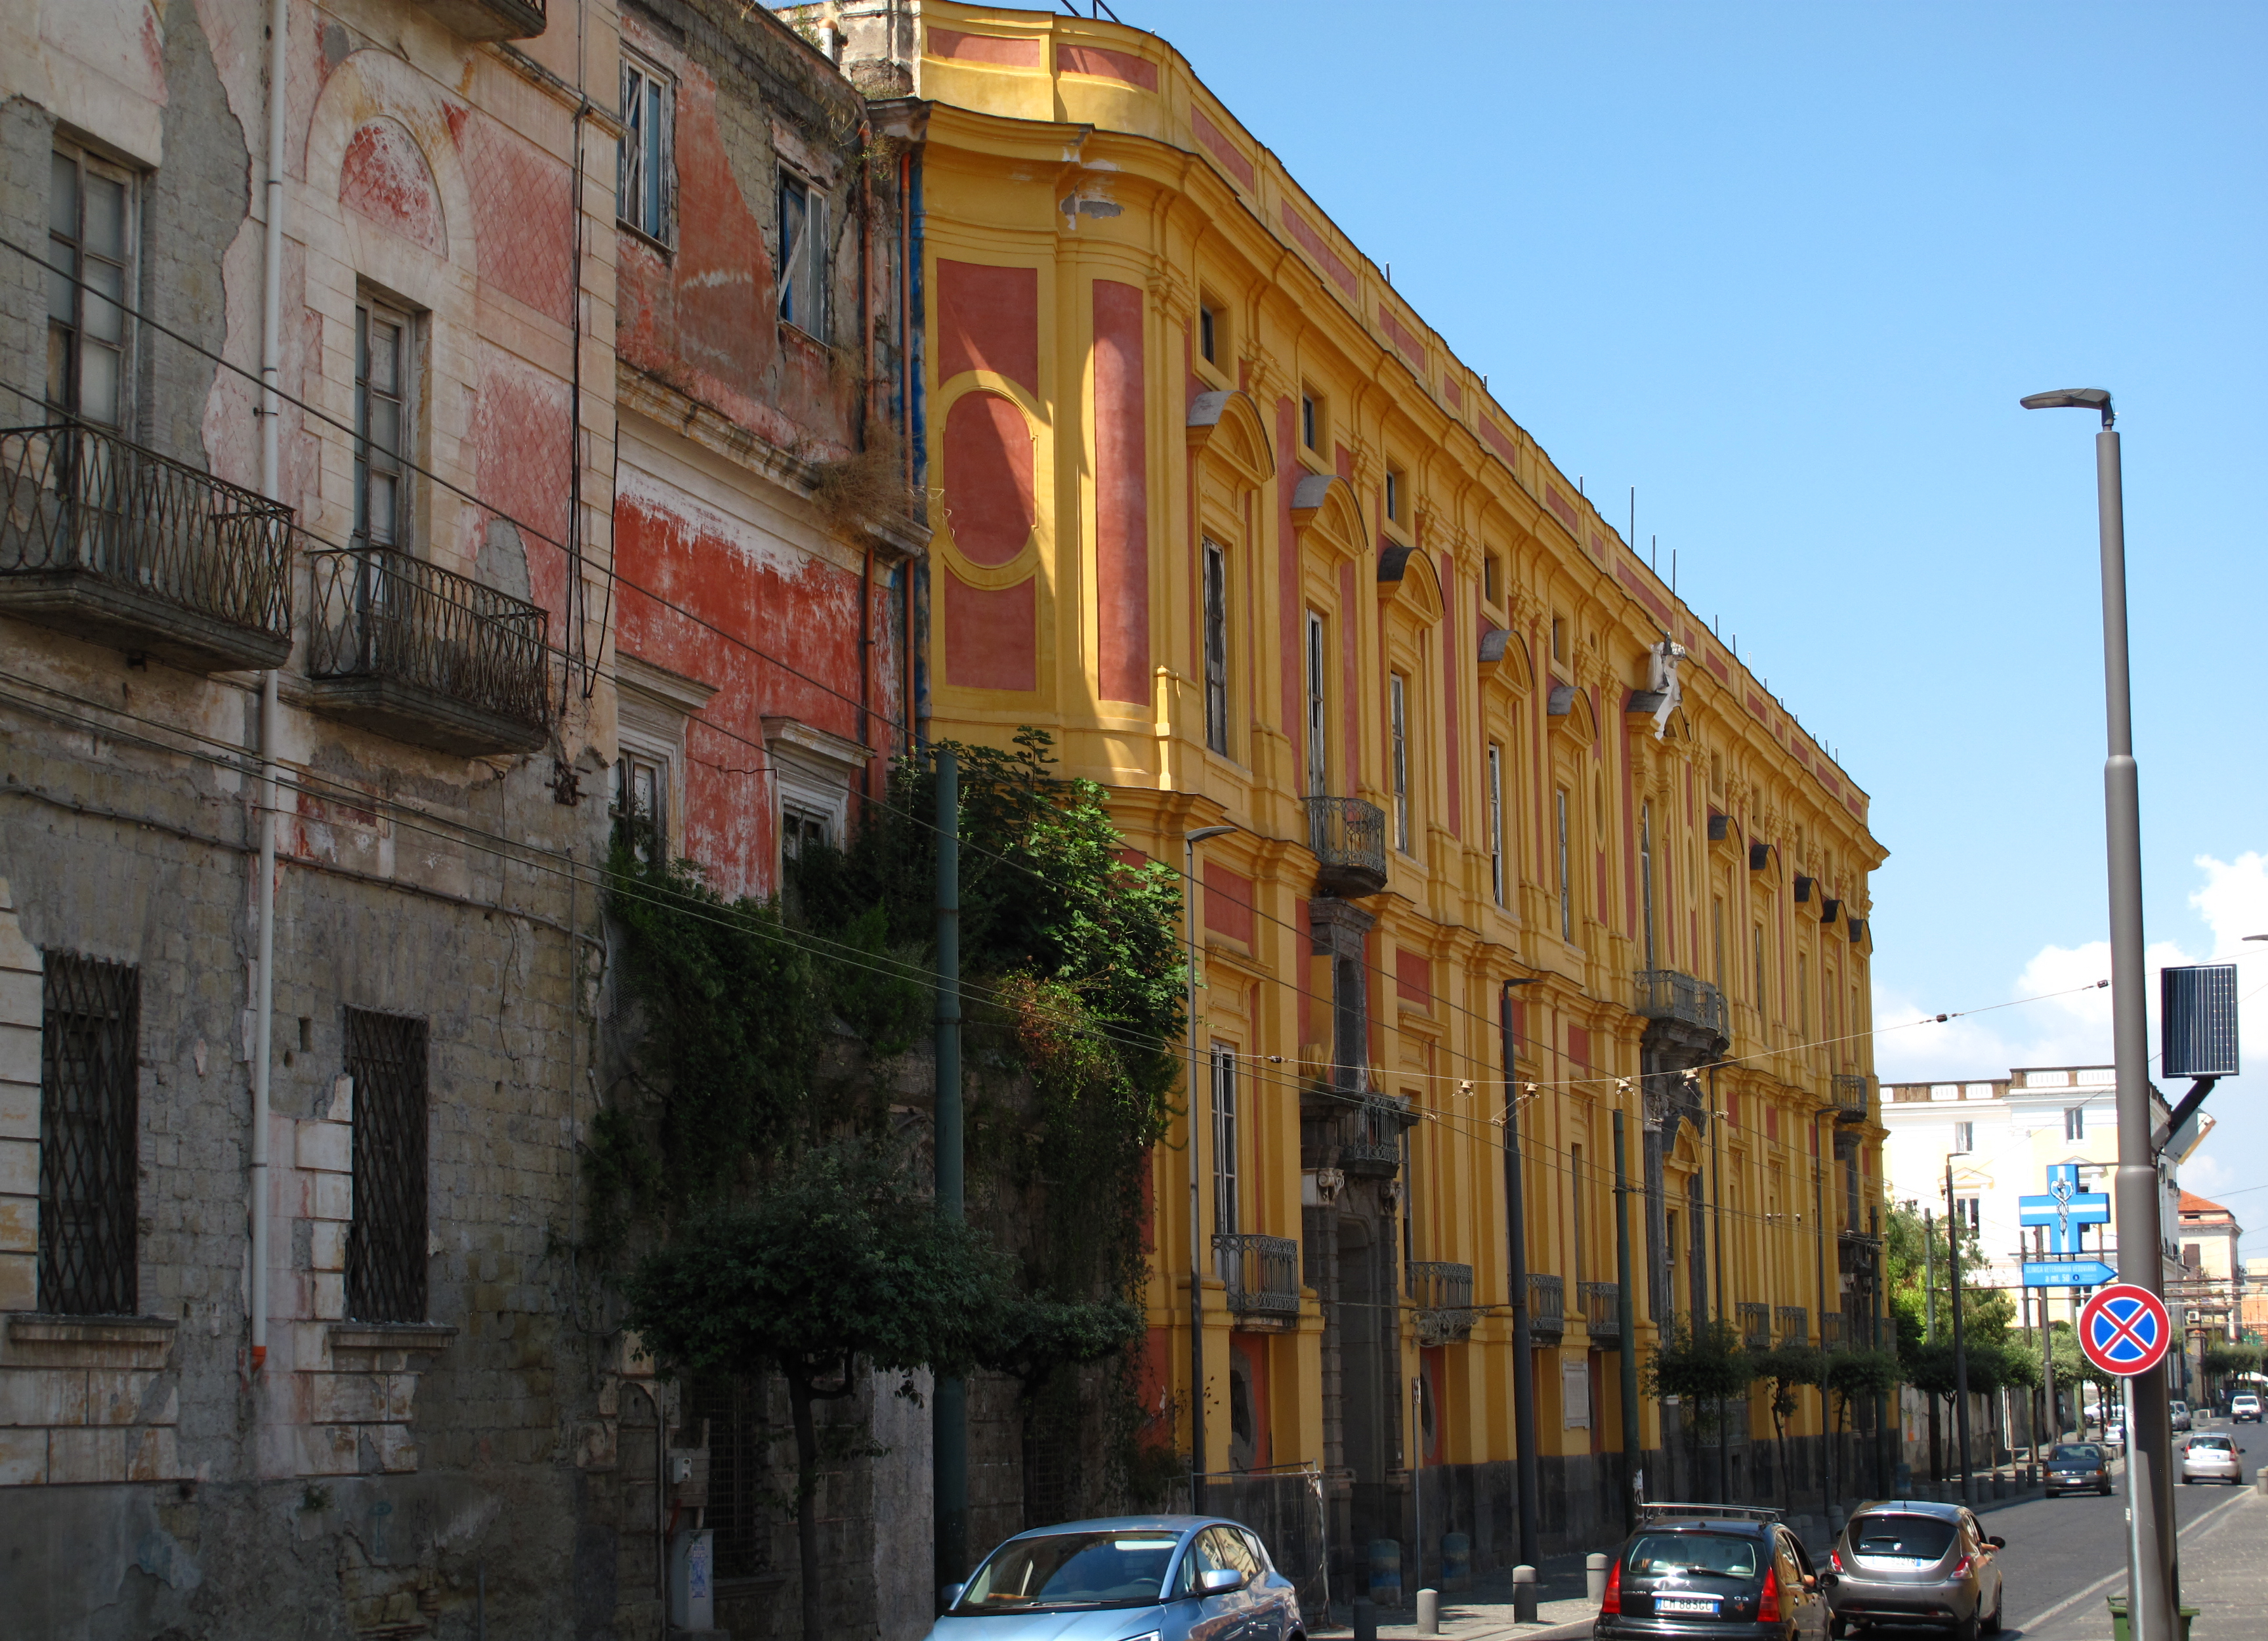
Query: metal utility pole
949,1474
1523,1351
1819,1233
1197,1103
1960,1341
1628,1341
1717,1269
1929,1275
2149,1434
1885,1457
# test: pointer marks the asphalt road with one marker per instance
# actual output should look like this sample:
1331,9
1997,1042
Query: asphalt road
2065,1554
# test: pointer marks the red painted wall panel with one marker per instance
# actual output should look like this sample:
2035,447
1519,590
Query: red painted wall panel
1121,495
988,318
992,640
988,478
1227,903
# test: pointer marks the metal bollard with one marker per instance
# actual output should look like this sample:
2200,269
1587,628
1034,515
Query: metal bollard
1594,1575
1429,1612
1523,1594
1366,1619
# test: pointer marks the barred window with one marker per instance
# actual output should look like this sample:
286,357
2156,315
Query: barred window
728,1409
90,1030
386,1243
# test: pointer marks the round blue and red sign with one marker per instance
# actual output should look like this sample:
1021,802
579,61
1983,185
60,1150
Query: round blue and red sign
2124,1329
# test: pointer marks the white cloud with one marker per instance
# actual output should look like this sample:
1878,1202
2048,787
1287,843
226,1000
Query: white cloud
2069,1022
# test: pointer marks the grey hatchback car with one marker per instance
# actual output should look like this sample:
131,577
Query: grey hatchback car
1902,1561
1126,1578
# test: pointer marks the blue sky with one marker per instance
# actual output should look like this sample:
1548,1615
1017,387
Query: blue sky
1787,268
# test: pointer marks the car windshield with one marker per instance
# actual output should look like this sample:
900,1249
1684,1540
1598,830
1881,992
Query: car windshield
2219,1443
2076,1452
1924,1538
2244,1401
1069,1570
1709,1555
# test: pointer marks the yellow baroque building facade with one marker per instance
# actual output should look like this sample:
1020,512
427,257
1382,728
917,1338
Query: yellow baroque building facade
1219,511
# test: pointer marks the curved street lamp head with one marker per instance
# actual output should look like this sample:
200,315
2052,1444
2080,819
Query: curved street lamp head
2073,399
1205,832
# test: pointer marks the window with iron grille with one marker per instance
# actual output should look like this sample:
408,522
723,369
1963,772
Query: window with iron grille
90,1030
91,230
386,1244
731,1408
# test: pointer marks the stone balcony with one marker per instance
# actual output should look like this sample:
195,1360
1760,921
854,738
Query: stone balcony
1441,1294
1262,1274
1348,836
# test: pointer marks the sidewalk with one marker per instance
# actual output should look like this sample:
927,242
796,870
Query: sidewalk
1484,1612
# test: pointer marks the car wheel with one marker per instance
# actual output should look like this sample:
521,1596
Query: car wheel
2188,1480
1992,1626
1965,1631
1838,1628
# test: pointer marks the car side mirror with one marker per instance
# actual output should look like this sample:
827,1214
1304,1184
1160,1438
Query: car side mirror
1221,1580
1810,1580
950,1596
1998,1543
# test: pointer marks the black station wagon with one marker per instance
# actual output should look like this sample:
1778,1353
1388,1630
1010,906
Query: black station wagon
1703,1572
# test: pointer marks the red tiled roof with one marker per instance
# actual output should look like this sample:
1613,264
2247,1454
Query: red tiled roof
2192,1203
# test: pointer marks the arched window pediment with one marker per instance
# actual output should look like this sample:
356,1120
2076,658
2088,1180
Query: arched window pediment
1226,423
1406,576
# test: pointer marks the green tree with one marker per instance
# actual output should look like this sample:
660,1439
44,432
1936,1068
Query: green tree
1787,1370
834,1263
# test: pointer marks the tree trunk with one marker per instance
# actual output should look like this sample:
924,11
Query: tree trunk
1936,1446
800,1397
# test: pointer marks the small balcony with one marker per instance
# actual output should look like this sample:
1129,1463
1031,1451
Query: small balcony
110,542
1547,1307
1348,836
1850,1096
1263,1277
1755,1322
426,656
1831,1333
1794,1325
1442,1295
1663,994
489,19
1603,1305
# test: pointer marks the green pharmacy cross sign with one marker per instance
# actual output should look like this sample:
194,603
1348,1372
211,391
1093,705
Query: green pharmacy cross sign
2065,1211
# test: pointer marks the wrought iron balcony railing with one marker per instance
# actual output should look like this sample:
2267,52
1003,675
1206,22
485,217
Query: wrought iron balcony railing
1663,994
1756,1325
1442,1295
1851,1095
1348,836
1547,1306
109,541
1831,1331
1794,1325
490,19
1262,1276
1603,1305
425,655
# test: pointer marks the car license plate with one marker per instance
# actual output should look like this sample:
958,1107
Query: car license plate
1705,1604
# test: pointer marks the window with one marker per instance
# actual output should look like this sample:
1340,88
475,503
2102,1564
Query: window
385,407
1669,1256
90,1047
803,256
1760,972
1394,498
740,1508
1216,648
1802,998
1208,333
1224,1139
646,184
1311,421
800,829
1964,1136
1645,879
90,244
1558,637
2075,1123
1717,938
2193,1255
386,1243
1567,878
1492,579
1397,713
1575,1210
1968,1213
642,805
1496,821
1319,761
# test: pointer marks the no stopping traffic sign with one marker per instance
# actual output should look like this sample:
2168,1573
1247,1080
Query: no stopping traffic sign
2124,1329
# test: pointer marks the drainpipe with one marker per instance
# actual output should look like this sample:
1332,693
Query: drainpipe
271,486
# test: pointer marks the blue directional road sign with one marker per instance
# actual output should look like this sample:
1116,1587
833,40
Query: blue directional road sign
2066,1212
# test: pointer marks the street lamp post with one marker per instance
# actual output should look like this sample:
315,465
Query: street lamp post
2149,1434
1526,1479
1843,1119
1190,841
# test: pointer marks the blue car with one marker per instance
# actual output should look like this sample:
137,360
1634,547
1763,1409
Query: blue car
1127,1578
